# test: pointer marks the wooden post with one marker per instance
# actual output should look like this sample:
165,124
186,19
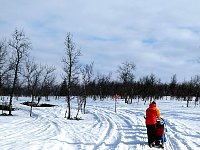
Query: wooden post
115,98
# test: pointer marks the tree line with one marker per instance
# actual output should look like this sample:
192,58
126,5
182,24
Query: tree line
20,75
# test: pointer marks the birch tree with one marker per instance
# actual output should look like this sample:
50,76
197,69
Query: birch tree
19,45
71,69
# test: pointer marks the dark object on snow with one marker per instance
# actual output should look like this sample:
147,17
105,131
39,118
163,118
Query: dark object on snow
5,107
160,133
33,104
46,105
5,114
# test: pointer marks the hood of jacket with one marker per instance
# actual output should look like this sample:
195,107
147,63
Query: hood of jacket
152,105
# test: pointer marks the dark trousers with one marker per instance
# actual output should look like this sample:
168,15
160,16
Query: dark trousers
151,133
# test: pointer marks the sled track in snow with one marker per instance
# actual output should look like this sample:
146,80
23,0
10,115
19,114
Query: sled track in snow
100,129
107,136
108,130
176,138
124,130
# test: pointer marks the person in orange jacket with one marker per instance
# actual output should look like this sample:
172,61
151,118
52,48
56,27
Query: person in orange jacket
152,113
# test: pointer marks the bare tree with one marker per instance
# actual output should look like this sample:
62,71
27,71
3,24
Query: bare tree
102,84
196,83
149,87
3,54
80,101
3,69
71,69
31,74
38,79
126,76
3,61
48,79
173,86
87,72
19,45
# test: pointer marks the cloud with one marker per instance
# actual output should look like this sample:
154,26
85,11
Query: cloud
158,36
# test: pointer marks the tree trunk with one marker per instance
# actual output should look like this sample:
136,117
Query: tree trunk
31,106
68,108
13,89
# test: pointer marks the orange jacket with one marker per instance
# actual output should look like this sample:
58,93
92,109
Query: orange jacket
152,113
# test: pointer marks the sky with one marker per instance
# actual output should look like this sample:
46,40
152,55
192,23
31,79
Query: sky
158,36
101,128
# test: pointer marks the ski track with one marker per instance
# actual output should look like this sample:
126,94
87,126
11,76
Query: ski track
108,130
123,132
129,131
177,138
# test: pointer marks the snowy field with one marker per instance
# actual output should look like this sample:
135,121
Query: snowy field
101,128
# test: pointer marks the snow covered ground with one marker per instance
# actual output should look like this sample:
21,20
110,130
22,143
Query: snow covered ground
101,128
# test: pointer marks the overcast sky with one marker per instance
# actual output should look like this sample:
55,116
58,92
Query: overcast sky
161,37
